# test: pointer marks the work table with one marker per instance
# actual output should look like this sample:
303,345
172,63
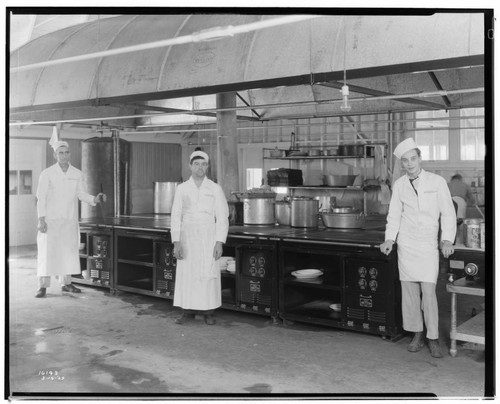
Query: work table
370,236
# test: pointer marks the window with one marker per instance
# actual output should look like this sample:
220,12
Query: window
25,182
254,178
432,134
20,182
13,183
472,134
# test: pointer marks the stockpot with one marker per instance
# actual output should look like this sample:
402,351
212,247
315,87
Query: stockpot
282,211
164,196
258,210
304,212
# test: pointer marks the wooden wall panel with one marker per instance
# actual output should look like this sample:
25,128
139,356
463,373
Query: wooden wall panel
149,163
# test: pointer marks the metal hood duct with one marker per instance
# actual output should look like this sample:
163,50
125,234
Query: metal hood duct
299,62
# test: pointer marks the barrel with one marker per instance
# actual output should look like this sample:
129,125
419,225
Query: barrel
98,167
472,233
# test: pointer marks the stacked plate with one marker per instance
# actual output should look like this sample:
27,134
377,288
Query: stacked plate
307,273
231,266
226,264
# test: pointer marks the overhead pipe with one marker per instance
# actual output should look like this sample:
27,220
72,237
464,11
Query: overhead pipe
116,168
270,106
210,34
293,125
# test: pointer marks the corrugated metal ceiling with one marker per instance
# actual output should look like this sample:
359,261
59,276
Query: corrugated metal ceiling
290,71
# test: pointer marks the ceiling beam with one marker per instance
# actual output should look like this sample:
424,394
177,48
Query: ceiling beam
438,85
247,104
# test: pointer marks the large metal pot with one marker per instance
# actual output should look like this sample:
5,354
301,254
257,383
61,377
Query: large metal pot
258,210
283,211
304,212
164,196
344,220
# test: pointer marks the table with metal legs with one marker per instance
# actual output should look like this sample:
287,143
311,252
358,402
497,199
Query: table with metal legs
471,330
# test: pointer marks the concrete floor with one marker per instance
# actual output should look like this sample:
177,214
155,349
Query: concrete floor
128,344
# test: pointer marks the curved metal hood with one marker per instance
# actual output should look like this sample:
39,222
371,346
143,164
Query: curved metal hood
303,61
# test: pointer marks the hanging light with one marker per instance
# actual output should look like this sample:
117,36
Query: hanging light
345,107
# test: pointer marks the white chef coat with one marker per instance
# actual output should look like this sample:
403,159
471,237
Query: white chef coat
413,221
199,218
57,195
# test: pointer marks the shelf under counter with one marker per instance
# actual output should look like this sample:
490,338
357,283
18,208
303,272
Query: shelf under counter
134,262
311,283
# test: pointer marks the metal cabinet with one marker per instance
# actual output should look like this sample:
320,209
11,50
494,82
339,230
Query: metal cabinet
136,269
253,287
257,278
359,288
96,257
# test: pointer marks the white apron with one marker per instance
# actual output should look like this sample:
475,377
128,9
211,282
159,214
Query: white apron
418,254
413,221
58,248
58,194
198,279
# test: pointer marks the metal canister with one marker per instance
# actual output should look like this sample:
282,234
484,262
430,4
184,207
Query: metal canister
472,233
304,212
258,210
482,231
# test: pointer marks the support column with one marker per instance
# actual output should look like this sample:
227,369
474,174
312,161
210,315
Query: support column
227,145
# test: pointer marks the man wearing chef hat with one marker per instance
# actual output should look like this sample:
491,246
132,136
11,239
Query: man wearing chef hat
420,203
59,188
199,227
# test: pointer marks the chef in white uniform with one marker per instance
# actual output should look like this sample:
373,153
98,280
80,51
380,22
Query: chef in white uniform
199,227
420,203
59,188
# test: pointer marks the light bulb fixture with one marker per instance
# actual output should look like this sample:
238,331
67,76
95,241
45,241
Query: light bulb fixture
345,107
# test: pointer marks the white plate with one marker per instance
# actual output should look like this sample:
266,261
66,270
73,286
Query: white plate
307,273
336,306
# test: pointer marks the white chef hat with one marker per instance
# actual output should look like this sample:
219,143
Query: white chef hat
54,141
405,146
58,144
198,153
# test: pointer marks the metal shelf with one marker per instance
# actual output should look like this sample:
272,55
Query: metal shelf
312,283
325,187
318,157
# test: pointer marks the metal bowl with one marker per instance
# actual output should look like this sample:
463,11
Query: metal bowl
339,180
345,209
343,220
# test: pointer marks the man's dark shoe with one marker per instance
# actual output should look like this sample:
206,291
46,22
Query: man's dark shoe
209,319
435,348
70,288
41,292
417,343
184,318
